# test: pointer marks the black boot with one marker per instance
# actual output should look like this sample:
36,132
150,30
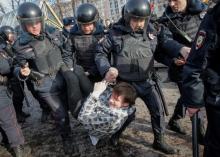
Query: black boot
161,145
201,132
175,125
21,151
44,116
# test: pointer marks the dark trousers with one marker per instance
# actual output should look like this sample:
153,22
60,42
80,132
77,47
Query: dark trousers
43,106
147,92
17,96
9,125
212,145
17,88
78,86
51,91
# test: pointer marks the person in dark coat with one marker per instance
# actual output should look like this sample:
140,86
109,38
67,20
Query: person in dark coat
201,78
182,18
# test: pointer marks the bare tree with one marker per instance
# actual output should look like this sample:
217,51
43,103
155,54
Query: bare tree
73,6
16,3
2,9
59,6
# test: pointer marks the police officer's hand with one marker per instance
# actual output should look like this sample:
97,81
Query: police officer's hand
99,88
192,111
25,70
179,61
184,51
87,73
111,75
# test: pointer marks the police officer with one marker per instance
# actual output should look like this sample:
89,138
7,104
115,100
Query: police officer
39,55
7,37
84,37
182,18
8,121
132,43
75,74
201,78
68,23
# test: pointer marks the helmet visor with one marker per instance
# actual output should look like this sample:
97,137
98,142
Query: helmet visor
31,21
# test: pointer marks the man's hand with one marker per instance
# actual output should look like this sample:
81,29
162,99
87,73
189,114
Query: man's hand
184,51
111,75
99,88
25,70
192,111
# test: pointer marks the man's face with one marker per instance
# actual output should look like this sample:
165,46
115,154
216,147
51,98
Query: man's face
178,5
68,27
117,101
34,28
11,38
137,24
88,28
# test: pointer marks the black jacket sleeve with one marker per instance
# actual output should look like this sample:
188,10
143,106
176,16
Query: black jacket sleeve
67,53
197,62
103,50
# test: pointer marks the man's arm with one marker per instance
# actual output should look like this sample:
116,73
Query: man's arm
168,45
193,87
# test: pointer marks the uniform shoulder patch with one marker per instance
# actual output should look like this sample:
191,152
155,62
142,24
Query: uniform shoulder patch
200,39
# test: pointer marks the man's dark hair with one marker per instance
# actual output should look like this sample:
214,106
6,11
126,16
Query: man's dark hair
127,91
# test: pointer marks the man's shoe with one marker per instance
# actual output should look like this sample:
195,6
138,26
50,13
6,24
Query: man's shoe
175,126
21,151
161,145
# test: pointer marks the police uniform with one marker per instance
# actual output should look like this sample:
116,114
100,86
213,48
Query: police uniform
201,81
8,121
82,46
188,23
15,85
132,54
84,50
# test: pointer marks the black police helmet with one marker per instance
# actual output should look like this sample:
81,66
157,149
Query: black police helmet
5,31
68,21
137,9
29,13
87,13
